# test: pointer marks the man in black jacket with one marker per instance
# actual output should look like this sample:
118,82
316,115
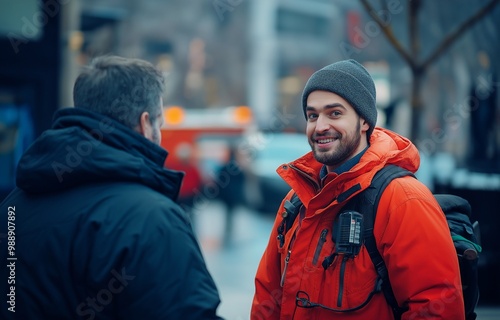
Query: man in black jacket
93,230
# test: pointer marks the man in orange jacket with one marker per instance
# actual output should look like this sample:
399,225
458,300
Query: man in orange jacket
410,229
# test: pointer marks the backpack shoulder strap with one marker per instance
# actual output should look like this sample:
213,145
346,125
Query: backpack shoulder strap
367,203
292,209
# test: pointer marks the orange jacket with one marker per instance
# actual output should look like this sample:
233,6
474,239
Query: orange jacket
411,234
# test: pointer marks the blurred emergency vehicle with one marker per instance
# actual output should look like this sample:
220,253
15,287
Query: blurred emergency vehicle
198,142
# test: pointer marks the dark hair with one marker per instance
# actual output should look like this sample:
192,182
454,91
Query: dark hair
120,88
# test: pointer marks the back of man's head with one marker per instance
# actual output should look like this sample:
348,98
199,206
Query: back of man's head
120,88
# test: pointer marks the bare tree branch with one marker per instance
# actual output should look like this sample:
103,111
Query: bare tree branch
454,35
414,7
389,34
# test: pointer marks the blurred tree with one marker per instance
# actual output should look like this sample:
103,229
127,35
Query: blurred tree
417,65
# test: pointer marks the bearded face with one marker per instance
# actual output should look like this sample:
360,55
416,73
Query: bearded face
335,131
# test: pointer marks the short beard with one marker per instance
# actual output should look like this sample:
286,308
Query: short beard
155,138
344,152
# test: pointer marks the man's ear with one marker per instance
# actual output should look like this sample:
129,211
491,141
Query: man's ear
364,125
144,127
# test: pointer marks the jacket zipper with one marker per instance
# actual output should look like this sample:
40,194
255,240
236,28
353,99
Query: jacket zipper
341,281
321,241
282,283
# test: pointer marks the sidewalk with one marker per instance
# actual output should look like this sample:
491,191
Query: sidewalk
233,265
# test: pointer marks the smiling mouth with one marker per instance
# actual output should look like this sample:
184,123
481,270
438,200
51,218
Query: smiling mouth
325,140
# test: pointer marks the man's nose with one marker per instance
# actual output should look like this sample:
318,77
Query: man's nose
322,124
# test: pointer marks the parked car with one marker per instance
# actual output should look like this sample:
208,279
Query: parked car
264,188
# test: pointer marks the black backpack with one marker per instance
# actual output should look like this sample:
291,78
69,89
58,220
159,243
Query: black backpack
457,211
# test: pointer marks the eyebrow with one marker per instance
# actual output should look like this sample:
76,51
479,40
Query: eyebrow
326,107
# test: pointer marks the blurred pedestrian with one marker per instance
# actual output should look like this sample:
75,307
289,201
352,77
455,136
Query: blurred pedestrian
192,177
97,231
231,180
483,104
302,275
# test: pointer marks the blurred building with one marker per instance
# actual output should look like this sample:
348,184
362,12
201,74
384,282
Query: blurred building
260,53
35,50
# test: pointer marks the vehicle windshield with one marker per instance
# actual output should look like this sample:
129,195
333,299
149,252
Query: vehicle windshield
280,148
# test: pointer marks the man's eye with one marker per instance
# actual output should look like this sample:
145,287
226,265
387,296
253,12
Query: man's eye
336,113
312,116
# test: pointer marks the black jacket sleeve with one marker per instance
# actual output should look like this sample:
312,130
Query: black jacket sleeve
152,265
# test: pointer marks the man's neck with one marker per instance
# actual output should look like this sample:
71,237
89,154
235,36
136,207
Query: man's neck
346,166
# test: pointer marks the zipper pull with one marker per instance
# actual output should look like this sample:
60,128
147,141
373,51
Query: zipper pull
281,239
319,246
287,259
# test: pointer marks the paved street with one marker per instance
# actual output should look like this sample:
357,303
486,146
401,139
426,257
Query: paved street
233,265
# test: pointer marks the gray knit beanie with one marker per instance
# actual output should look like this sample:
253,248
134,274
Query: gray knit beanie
350,80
